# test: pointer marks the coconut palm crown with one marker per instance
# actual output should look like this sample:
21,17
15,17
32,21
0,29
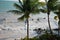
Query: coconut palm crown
26,7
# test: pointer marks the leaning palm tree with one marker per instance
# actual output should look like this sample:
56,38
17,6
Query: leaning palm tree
50,5
48,13
57,11
47,9
25,8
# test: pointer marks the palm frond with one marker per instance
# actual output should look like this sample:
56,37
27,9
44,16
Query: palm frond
42,3
21,18
20,2
15,11
43,10
37,11
57,13
33,2
35,5
51,3
38,5
57,6
18,6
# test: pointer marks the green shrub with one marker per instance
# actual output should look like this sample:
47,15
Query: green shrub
45,37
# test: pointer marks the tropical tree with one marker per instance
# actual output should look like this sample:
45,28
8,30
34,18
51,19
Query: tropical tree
25,8
57,11
47,9
50,6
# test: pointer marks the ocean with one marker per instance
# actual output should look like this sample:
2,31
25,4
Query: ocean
6,5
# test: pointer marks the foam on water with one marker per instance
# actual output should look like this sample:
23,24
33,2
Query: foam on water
13,29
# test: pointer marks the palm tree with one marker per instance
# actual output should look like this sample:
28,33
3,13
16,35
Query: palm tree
25,8
57,11
48,13
50,5
47,9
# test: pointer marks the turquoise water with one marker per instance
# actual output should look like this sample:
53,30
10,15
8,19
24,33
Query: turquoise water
6,5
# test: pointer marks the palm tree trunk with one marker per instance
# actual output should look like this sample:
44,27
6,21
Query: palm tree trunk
48,13
49,23
27,29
